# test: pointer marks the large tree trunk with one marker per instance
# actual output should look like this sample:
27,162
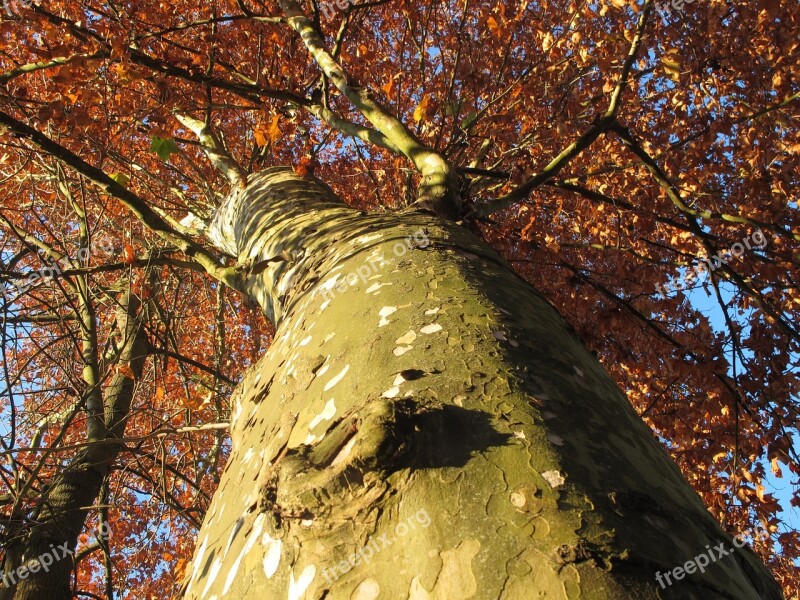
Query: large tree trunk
432,430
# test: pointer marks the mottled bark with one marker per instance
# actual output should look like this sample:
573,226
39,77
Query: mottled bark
65,506
438,420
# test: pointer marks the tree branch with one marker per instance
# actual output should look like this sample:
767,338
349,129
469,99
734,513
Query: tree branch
138,206
439,188
584,141
214,149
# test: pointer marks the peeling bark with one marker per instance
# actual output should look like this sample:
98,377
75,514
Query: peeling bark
431,430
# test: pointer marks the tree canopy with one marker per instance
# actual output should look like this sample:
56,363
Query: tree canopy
635,164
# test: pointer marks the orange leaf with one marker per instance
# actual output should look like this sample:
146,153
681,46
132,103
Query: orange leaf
259,135
273,131
180,568
125,370
265,133
760,492
303,166
419,112
494,27
388,88
127,254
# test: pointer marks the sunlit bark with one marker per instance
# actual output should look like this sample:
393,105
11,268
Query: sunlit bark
431,428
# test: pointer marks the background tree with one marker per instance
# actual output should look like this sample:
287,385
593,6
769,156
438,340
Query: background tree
601,148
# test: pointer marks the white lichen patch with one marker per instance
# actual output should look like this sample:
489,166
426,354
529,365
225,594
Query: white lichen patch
369,589
578,371
329,283
429,329
520,435
375,287
252,538
296,321
376,258
555,439
248,456
459,400
406,338
433,311
326,415
499,336
366,239
344,452
392,392
212,575
272,554
328,338
517,499
236,527
385,312
310,439
198,561
399,379
298,587
305,341
336,378
400,350
554,478
237,412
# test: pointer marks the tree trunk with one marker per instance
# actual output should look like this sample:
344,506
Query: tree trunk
43,560
432,429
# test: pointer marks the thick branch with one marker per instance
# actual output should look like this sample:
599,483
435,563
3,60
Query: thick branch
438,190
248,90
214,149
550,171
138,206
584,141
64,508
